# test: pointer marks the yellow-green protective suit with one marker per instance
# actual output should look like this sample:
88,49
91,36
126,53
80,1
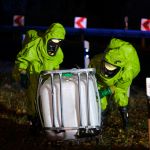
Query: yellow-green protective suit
33,59
116,68
29,36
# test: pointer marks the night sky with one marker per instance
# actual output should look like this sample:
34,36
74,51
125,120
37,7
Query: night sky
100,14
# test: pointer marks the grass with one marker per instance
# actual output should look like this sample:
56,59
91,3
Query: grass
13,107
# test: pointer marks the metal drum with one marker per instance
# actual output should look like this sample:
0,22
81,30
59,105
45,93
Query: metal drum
68,103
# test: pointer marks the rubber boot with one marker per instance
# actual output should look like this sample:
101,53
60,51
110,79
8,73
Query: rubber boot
124,116
35,125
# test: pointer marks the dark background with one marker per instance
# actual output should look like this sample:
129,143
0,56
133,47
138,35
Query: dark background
108,14
101,14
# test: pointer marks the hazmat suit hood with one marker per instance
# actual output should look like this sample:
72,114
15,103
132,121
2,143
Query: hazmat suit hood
55,31
119,63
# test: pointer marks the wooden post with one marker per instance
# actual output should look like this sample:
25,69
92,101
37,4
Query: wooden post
148,105
126,22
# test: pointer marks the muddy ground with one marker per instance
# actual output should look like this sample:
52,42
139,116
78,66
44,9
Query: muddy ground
15,133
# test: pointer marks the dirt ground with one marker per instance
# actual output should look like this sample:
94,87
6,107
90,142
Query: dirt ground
15,133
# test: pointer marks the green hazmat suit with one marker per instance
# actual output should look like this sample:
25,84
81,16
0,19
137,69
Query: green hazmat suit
29,36
116,68
33,59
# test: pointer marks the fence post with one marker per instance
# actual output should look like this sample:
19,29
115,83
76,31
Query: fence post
86,53
148,105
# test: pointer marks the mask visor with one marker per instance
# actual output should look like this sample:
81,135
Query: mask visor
52,46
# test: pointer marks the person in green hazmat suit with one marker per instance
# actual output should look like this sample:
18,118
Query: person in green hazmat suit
115,70
38,54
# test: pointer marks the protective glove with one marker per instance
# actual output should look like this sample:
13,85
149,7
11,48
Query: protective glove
24,80
105,92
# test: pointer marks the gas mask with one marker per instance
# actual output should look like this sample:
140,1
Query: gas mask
52,46
108,70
